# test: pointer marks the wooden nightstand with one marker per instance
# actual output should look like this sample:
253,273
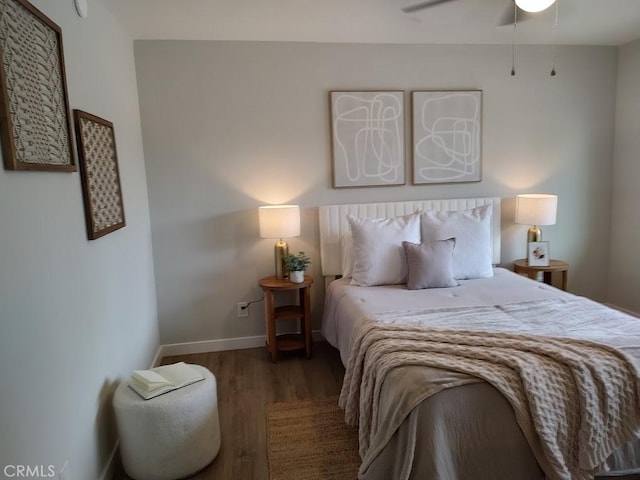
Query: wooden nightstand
521,266
301,312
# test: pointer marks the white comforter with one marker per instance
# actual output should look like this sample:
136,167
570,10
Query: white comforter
448,308
345,303
579,399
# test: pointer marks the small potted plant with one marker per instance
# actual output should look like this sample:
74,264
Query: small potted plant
296,265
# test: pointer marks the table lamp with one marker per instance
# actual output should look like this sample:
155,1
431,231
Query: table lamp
279,221
536,209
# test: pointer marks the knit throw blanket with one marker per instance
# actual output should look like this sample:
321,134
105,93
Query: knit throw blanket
579,399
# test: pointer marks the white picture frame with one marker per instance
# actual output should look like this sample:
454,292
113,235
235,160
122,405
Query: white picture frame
538,254
447,136
367,134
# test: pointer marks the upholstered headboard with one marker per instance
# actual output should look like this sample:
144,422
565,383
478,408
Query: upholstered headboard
333,222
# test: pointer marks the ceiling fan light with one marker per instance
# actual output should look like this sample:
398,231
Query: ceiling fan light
534,5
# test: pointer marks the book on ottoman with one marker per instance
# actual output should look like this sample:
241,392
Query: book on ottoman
163,379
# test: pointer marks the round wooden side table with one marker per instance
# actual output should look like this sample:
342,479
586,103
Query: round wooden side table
522,266
300,312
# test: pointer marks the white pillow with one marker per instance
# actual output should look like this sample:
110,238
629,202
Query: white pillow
378,255
346,250
472,231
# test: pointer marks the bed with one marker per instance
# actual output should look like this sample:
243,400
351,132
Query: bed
422,417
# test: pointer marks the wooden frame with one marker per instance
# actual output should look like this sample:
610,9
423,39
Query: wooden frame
35,120
367,138
101,189
447,136
538,254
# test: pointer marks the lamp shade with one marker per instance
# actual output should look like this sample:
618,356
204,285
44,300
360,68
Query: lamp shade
279,221
536,209
534,5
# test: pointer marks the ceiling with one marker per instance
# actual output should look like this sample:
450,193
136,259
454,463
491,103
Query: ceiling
581,22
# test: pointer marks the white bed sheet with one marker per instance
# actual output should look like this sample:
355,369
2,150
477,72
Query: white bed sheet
345,303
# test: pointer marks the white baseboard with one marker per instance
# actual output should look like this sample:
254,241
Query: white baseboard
156,359
239,343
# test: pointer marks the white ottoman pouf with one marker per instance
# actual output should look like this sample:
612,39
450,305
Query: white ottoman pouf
170,436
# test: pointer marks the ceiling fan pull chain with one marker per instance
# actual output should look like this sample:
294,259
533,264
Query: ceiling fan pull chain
553,39
513,40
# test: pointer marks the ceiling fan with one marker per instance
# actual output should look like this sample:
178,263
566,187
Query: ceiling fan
526,9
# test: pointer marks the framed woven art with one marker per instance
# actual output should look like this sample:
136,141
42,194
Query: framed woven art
35,120
103,207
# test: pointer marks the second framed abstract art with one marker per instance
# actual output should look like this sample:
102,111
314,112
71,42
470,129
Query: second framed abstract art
447,136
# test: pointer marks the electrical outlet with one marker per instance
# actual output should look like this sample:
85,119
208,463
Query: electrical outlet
64,472
243,309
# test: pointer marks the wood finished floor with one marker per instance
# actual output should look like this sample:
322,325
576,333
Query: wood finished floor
247,381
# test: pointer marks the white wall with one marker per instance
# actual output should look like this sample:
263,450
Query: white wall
229,126
76,316
624,272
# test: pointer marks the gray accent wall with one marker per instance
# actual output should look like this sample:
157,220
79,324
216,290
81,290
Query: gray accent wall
76,316
230,126
624,272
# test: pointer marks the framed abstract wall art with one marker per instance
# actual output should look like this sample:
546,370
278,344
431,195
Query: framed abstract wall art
104,210
447,136
35,120
367,133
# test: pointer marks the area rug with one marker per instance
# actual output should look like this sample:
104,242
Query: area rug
310,441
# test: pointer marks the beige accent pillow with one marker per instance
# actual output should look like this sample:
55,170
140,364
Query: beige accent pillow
430,264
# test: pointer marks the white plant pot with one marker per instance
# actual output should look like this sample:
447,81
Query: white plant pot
296,277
